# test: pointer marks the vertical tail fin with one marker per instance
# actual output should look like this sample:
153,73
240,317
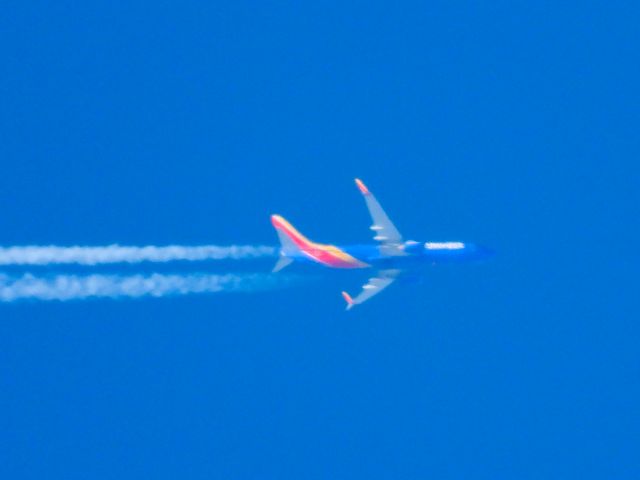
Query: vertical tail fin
290,241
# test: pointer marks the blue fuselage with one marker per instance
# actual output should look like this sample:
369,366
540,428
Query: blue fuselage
412,254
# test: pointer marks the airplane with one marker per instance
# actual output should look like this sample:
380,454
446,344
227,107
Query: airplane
391,256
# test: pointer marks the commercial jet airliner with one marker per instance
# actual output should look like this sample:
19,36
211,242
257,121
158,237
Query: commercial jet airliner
391,256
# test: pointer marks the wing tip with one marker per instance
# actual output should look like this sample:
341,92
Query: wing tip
348,299
362,187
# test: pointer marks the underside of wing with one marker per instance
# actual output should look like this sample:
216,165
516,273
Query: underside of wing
383,228
374,286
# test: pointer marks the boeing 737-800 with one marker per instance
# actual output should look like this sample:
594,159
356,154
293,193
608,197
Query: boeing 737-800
390,256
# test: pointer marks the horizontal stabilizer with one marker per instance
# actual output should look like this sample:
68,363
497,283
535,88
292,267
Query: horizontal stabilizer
281,263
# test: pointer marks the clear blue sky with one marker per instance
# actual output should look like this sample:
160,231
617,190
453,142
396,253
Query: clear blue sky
513,124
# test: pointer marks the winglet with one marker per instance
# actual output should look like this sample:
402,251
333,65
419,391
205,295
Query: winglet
363,188
348,299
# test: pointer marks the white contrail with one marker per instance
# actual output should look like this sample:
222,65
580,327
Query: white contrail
50,255
78,287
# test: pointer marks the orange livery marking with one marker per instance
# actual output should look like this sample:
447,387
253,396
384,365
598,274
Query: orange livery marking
328,255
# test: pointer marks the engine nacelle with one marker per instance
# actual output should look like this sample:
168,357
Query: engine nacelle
412,247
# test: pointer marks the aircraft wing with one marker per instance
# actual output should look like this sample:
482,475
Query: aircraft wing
385,231
374,286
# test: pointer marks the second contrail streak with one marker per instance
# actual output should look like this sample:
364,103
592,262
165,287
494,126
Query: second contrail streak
80,287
